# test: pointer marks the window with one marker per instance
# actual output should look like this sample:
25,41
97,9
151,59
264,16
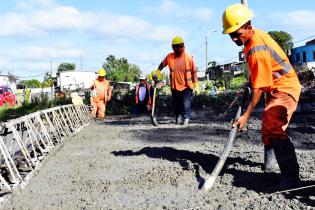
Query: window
304,56
297,57
314,55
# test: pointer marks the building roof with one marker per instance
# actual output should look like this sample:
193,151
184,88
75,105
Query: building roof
310,42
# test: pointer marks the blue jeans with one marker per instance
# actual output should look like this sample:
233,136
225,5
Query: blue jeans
182,102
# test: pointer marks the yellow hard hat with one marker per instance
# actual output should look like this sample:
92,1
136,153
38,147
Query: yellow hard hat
177,40
234,17
101,72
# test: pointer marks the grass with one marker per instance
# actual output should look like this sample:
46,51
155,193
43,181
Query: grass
39,103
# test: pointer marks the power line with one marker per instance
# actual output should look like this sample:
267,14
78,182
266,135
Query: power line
198,47
228,60
304,39
33,76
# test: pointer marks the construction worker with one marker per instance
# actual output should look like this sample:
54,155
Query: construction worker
270,73
183,78
143,99
101,94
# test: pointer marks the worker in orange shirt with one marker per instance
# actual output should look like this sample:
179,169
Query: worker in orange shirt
183,78
270,73
101,94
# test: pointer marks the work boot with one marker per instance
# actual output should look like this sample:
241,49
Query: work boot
287,161
186,121
178,119
270,161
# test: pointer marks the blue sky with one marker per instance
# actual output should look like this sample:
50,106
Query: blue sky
37,35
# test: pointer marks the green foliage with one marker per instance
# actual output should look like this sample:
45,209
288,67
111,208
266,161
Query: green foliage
66,67
48,80
284,39
37,103
120,103
119,70
27,96
33,83
227,77
237,82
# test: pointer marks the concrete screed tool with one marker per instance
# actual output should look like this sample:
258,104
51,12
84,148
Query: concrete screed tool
227,147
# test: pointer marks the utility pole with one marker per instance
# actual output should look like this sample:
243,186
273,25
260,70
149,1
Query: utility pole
245,3
52,81
206,43
207,58
81,62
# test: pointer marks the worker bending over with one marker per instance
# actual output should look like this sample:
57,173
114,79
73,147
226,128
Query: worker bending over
270,73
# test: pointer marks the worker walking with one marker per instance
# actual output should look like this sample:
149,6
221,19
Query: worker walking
143,96
101,94
183,78
270,73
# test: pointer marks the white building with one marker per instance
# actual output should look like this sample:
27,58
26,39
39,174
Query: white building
73,80
8,80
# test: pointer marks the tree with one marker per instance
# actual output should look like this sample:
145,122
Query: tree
119,70
33,83
284,39
66,67
48,80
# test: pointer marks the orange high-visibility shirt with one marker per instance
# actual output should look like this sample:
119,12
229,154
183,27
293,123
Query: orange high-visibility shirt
270,68
182,71
102,90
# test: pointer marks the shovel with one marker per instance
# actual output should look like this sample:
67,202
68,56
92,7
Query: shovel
153,118
227,147
230,106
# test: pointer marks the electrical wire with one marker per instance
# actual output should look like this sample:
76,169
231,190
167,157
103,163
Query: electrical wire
304,39
198,48
33,76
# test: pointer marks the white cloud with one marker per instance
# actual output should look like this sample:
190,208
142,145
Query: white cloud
203,14
67,19
39,53
13,24
299,23
34,4
172,8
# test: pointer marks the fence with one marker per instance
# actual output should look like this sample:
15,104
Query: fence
26,141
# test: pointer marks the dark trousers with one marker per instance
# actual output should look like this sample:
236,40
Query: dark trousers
182,102
141,107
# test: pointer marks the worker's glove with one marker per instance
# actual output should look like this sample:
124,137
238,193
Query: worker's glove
196,85
155,78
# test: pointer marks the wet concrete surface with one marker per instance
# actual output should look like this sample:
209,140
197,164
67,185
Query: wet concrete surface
126,163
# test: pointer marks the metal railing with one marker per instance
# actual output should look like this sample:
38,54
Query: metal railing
26,141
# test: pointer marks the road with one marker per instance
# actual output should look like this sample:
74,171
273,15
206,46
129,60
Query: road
126,163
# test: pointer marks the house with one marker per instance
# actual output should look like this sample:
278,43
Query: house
304,56
73,80
8,80
234,68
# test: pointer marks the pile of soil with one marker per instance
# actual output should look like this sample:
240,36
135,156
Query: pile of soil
126,163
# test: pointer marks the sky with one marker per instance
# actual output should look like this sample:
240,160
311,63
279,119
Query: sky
37,35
